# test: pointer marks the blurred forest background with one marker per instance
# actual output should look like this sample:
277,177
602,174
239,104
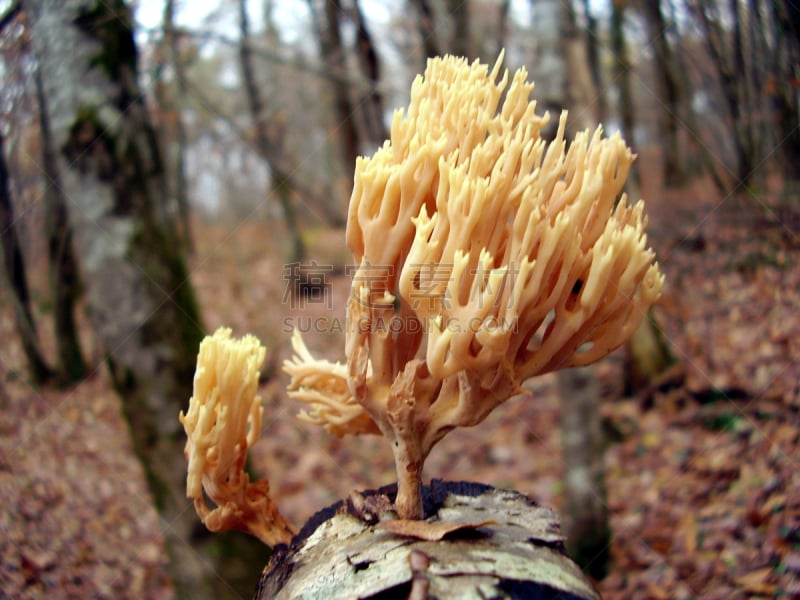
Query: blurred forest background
169,167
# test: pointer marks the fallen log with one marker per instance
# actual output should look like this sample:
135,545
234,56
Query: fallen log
475,542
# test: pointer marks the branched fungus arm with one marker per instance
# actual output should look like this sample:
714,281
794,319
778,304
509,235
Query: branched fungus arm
323,387
223,421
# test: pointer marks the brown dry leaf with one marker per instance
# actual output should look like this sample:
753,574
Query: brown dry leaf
775,502
431,532
756,581
688,529
656,592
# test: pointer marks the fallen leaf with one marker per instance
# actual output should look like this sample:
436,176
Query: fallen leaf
688,528
656,592
756,581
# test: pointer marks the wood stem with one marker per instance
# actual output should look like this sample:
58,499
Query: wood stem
408,503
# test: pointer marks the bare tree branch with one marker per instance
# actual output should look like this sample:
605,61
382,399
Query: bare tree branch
313,200
336,76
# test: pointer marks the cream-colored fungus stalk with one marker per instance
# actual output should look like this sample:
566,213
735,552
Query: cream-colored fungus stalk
486,255
223,421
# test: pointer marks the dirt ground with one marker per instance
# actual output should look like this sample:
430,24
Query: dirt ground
702,474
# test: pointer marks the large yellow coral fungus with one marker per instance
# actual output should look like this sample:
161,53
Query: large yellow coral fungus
485,255
223,421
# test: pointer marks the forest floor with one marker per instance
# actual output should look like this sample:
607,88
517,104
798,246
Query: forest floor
703,473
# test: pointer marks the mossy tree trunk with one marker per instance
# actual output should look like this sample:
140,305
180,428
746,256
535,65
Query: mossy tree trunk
140,300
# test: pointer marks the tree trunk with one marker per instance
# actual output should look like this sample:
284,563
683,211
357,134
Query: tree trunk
334,59
477,542
759,67
62,267
461,39
641,363
427,28
699,156
669,95
281,183
579,89
371,102
729,63
162,129
622,74
502,26
141,303
180,189
14,270
586,526
786,95
744,131
594,61
647,356
565,82
548,67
